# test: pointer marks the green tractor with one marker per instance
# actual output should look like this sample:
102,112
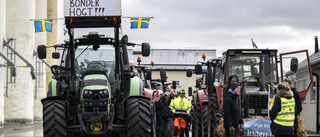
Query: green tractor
94,91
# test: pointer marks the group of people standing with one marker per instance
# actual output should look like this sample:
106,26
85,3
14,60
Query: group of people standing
283,115
173,113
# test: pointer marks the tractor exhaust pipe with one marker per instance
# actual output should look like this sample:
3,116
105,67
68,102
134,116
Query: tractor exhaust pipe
316,48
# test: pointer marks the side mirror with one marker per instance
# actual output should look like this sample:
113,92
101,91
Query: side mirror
124,40
294,64
55,55
148,74
174,84
198,84
190,91
163,75
189,73
198,69
145,48
42,51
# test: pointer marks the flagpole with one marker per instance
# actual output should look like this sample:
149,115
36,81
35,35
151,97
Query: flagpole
138,17
47,19
268,100
63,18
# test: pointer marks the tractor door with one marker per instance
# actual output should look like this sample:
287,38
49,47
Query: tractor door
296,66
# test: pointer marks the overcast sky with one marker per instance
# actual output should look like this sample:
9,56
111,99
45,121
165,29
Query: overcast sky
285,25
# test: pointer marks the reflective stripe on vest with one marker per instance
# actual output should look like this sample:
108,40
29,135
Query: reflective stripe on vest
287,114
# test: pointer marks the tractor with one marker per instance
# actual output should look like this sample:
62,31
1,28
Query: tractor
94,91
254,70
207,83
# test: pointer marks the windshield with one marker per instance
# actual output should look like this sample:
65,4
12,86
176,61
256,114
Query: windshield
245,67
102,59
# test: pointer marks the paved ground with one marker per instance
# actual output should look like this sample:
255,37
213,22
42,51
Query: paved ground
35,130
21,130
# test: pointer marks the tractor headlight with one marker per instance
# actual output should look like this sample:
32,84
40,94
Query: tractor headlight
86,92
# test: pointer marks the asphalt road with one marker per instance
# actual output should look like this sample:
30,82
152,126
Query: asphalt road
24,130
21,130
35,130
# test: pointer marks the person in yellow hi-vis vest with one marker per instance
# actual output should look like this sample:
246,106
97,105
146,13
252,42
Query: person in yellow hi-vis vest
180,108
283,112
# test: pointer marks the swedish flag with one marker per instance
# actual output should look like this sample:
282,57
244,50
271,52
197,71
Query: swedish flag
271,99
43,25
137,23
254,45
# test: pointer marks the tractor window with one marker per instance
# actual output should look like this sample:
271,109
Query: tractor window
245,67
101,59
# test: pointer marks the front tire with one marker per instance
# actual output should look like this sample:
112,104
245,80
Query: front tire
54,118
139,122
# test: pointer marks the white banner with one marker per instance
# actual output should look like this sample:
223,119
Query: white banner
92,8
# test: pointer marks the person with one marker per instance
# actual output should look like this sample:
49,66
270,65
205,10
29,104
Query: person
282,114
232,117
180,108
297,99
166,125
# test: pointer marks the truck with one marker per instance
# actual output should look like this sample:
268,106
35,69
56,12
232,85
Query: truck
94,91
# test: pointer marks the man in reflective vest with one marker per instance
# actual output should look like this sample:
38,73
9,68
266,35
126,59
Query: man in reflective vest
180,108
283,112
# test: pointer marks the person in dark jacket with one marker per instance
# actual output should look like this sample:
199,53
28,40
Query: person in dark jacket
163,111
282,114
231,107
297,99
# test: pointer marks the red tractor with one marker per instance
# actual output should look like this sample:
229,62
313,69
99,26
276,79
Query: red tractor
206,85
254,70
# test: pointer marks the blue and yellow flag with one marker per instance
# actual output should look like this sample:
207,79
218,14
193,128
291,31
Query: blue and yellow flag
65,31
254,45
137,23
271,99
120,30
43,25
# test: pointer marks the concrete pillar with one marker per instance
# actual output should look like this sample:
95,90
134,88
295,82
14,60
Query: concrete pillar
2,62
51,37
20,100
40,39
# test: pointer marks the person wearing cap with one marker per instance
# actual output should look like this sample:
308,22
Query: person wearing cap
232,117
163,112
180,108
298,103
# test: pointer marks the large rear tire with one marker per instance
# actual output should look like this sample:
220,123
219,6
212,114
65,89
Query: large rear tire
199,122
214,114
139,120
204,120
54,118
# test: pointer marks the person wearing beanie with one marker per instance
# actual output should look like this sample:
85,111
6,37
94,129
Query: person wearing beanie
232,117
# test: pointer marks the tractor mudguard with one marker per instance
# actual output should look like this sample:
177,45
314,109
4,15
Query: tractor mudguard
53,89
203,97
136,87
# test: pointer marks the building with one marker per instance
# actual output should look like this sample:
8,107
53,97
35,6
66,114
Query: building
23,76
175,62
310,106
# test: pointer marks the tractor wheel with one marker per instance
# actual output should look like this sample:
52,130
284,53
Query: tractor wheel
199,122
194,120
215,116
154,120
139,121
204,120
54,118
